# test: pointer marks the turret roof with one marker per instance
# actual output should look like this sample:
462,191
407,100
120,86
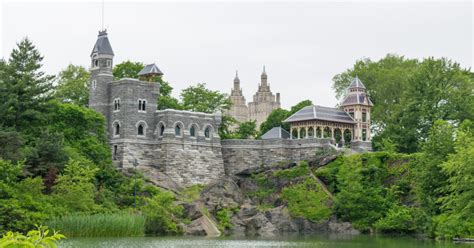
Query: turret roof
150,69
102,45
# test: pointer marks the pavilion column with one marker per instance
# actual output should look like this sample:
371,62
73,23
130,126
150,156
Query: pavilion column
332,132
298,131
315,133
291,133
306,132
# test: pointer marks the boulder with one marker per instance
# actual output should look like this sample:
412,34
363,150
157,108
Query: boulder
224,193
202,226
281,219
342,228
259,225
161,179
193,210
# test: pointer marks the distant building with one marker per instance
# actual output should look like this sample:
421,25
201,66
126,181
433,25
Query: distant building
264,102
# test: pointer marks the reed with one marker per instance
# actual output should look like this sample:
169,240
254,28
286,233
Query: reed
100,225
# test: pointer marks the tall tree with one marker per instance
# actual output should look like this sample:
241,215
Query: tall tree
25,88
246,130
73,85
200,99
277,116
127,69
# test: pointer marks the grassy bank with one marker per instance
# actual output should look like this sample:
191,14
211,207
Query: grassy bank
100,225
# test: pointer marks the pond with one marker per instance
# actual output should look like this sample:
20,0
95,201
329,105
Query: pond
364,241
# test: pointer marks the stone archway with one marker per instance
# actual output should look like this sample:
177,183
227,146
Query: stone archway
318,132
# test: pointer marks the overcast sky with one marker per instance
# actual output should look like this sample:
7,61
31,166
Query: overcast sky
303,45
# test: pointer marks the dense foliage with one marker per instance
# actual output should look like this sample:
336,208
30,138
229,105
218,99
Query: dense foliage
409,95
39,237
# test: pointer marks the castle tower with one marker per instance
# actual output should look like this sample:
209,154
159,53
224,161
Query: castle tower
239,109
358,105
101,73
264,102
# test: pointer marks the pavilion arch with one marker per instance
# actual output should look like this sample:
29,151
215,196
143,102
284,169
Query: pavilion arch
294,133
319,132
117,128
347,136
178,128
193,130
327,132
310,132
302,133
337,135
141,127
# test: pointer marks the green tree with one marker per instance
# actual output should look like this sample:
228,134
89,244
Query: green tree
25,88
127,69
73,85
11,144
299,106
162,214
200,99
75,189
246,130
225,131
457,218
275,119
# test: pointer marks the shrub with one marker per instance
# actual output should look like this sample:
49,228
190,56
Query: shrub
307,200
223,216
297,171
162,214
34,238
399,219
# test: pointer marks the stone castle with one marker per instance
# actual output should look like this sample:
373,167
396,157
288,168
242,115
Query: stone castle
264,102
185,146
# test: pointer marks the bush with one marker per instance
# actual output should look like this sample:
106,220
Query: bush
297,171
223,216
399,219
307,200
162,214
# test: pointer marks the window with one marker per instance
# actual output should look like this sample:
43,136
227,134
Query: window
117,129
141,129
141,105
116,104
109,63
310,132
96,63
364,134
364,117
162,129
302,133
177,130
192,131
351,114
207,132
94,84
115,152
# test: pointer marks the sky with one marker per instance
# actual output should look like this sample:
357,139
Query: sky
303,45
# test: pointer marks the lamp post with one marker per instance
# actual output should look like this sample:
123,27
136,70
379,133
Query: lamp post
135,165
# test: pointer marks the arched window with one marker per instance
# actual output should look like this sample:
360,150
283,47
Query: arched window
143,105
117,129
192,131
94,84
141,129
139,105
96,63
162,129
364,117
294,133
207,132
109,63
177,130
310,132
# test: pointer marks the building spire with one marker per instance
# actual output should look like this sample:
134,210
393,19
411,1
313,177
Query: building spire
236,79
264,77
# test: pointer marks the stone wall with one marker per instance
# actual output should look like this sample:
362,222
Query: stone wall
239,155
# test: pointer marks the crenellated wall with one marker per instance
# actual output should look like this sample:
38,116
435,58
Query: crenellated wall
242,154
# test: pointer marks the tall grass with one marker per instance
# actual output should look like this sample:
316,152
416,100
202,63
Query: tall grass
100,225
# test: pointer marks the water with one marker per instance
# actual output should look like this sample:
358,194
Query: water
290,241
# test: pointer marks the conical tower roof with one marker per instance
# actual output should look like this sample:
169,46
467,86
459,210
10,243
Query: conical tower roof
102,45
150,69
356,83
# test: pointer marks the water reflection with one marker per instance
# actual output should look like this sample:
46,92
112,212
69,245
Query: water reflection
330,241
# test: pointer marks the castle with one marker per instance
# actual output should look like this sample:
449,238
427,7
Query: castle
185,146
264,102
